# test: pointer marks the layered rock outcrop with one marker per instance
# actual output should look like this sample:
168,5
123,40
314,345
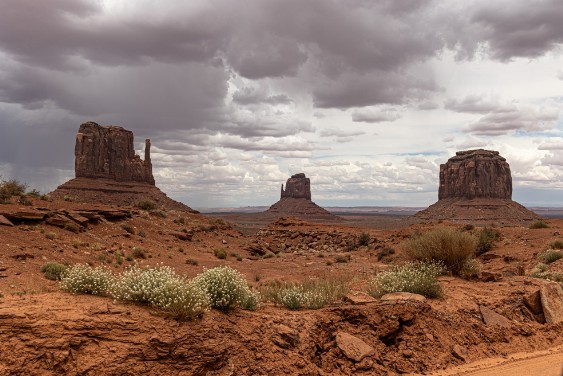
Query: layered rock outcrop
297,186
107,152
109,172
476,185
295,200
475,174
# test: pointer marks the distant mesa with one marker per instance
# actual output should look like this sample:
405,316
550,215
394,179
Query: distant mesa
476,185
295,200
109,172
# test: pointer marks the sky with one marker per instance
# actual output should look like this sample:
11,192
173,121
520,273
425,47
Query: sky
366,97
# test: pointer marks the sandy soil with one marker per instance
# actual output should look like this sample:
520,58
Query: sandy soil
45,331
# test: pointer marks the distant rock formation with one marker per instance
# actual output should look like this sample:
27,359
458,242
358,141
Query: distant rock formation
476,185
298,186
107,152
475,174
295,200
109,172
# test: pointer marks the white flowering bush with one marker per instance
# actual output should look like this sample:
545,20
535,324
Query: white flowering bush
416,277
84,279
312,294
225,287
161,287
251,300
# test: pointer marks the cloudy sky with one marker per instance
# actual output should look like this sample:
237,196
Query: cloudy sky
367,97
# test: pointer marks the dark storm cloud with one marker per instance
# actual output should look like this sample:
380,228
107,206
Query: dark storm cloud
249,95
504,122
360,90
520,28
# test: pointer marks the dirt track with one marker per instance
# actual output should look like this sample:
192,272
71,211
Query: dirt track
544,363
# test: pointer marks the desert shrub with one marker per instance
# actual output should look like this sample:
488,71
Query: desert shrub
251,300
192,262
142,234
342,258
468,227
163,288
539,224
550,256
386,251
12,187
471,269
46,197
487,237
268,255
446,245
139,253
34,193
225,286
363,239
24,200
220,253
128,228
557,244
312,294
54,271
147,205
84,279
159,213
51,235
417,277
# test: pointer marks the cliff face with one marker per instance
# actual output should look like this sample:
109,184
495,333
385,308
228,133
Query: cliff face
298,186
475,174
107,152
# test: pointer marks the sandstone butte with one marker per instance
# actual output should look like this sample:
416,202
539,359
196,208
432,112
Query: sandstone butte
109,172
295,200
476,185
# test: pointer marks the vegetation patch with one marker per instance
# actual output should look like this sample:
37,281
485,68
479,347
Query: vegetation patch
487,237
84,279
54,271
147,205
445,245
550,256
417,277
226,287
539,224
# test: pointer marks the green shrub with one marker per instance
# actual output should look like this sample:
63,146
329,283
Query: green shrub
268,255
539,224
12,187
84,279
312,294
159,213
342,259
251,300
471,269
486,240
51,235
363,239
386,251
557,244
225,286
220,253
128,228
163,288
446,245
192,262
147,205
415,277
139,253
24,200
54,271
142,234
550,256
468,227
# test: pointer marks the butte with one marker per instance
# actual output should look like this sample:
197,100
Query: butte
109,172
476,185
296,201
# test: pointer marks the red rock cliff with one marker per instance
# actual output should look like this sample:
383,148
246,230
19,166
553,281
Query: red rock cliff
107,152
475,174
298,186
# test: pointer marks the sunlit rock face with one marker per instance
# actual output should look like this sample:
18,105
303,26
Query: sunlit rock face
475,174
297,186
107,152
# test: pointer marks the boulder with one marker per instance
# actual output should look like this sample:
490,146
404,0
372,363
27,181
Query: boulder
533,302
4,221
492,318
552,302
403,296
353,347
